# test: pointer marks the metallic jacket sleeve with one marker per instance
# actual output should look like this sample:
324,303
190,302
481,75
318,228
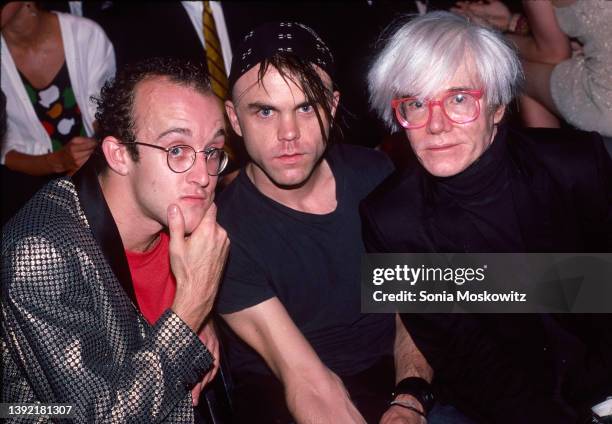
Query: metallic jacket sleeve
71,340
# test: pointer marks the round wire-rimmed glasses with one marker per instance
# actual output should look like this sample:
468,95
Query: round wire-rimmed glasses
459,106
180,158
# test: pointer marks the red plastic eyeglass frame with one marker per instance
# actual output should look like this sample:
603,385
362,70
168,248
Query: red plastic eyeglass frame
431,103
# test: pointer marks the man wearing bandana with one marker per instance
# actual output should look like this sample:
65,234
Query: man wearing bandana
299,349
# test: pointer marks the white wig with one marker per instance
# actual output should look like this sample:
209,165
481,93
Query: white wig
423,54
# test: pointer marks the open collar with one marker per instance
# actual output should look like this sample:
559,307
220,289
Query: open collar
103,225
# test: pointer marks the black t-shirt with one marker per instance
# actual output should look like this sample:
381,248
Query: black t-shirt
310,262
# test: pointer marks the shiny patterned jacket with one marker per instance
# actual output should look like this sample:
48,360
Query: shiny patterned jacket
71,332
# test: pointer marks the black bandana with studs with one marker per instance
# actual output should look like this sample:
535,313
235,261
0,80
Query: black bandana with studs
270,38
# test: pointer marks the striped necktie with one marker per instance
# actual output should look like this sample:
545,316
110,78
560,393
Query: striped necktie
214,57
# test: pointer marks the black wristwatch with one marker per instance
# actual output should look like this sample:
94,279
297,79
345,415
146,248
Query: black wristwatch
419,388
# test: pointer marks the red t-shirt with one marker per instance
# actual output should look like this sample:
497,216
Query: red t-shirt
154,283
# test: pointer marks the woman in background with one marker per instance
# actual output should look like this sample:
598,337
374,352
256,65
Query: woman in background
574,85
51,64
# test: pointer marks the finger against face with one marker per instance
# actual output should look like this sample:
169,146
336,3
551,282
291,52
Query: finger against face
211,213
208,222
176,222
169,115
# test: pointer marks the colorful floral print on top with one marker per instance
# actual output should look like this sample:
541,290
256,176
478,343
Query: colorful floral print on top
56,108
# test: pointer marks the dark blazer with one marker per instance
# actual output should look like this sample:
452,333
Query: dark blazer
71,330
502,368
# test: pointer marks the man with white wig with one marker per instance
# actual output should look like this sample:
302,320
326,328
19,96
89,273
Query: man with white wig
481,186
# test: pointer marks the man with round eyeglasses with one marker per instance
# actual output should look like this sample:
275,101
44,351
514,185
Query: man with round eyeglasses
182,157
109,277
480,185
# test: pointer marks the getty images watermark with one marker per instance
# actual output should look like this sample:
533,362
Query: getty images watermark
487,282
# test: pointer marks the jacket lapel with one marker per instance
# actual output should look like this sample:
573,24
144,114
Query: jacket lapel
102,225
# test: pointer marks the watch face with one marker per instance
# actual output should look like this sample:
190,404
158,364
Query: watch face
419,388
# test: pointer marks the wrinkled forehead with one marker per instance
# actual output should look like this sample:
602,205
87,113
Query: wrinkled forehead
158,100
436,75
154,87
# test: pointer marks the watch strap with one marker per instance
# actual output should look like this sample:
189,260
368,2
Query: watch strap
419,388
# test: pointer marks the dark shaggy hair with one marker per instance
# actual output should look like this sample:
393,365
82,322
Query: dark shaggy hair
303,74
115,114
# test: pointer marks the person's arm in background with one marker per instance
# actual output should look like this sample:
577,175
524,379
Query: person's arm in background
312,391
97,61
546,43
541,50
66,160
